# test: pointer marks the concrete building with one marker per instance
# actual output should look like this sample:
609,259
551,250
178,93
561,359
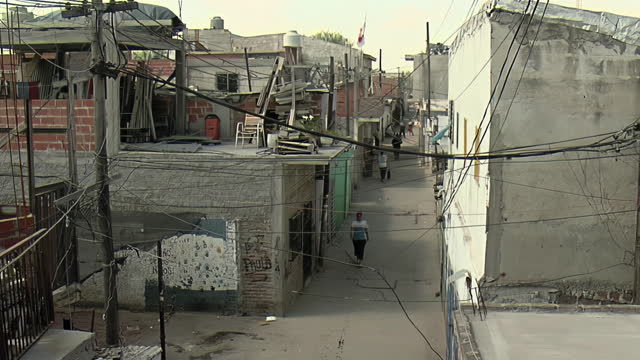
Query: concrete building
562,222
241,226
240,231
439,73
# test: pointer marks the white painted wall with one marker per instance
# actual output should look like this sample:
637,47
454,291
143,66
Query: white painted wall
466,243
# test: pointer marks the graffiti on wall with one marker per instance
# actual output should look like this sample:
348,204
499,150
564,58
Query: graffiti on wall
257,256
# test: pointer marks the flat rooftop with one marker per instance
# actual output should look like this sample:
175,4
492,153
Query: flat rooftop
557,336
230,151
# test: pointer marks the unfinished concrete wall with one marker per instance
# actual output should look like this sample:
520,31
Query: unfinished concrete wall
212,39
439,76
317,51
466,185
204,68
576,83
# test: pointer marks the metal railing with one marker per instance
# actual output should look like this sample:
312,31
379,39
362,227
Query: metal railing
26,299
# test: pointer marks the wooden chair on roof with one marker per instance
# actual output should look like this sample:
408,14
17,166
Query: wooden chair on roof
252,128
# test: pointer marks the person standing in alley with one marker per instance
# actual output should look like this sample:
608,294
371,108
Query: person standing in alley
383,165
359,236
396,142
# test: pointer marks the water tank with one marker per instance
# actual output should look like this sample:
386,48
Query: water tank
217,23
292,39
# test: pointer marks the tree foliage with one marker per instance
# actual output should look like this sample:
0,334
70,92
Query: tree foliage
333,37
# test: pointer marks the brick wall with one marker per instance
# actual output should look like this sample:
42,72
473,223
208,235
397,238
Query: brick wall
50,123
198,109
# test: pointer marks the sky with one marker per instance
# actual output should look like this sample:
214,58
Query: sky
397,26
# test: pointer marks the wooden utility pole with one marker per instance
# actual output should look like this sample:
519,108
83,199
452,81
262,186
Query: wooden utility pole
246,61
346,89
356,95
28,119
380,74
71,127
429,78
181,83
425,95
332,84
109,268
163,344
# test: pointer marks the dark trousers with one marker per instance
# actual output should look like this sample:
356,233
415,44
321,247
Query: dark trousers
383,173
358,248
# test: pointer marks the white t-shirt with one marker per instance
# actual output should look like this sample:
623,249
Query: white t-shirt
359,229
382,160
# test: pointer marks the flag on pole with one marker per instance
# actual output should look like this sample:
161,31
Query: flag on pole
361,34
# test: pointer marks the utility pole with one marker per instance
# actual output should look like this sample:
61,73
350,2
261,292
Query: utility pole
181,99
246,61
426,94
102,178
71,127
99,68
73,166
163,345
346,89
429,78
28,117
356,95
332,81
380,74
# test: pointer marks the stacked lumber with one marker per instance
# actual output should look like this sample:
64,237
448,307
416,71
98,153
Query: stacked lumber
142,114
293,142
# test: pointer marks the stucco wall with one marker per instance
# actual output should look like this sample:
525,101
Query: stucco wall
204,68
576,83
439,76
466,215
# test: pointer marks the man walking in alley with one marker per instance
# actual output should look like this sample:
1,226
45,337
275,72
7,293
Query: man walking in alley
396,142
383,165
359,236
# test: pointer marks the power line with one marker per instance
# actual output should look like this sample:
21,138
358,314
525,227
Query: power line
461,178
189,44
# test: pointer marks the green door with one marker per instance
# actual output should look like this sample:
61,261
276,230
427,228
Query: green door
341,177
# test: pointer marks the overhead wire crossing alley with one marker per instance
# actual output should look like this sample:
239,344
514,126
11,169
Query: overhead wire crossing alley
399,278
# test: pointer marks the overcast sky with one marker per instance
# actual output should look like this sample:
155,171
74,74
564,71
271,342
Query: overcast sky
396,26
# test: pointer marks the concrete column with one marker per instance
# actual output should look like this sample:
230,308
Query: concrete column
181,100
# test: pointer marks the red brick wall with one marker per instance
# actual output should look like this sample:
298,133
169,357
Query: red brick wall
389,90
159,67
52,115
198,109
341,101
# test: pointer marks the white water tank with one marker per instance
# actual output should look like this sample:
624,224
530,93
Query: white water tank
292,39
217,23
